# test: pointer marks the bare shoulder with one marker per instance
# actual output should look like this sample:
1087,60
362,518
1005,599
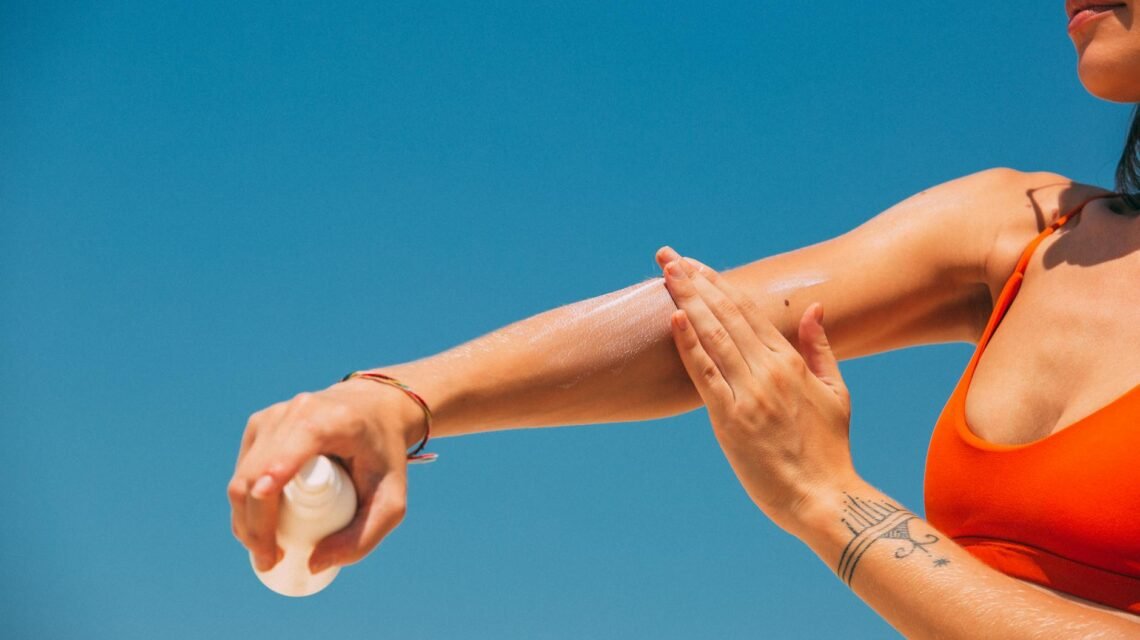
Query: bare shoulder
924,271
950,248
1022,204
997,212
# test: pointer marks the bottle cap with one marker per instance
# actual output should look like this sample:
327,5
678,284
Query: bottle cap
316,475
315,484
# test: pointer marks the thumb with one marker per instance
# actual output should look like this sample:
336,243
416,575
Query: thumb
381,506
817,351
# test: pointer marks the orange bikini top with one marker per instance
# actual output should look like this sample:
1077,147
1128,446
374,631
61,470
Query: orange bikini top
1063,511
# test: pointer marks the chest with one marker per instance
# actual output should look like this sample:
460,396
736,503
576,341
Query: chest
1069,343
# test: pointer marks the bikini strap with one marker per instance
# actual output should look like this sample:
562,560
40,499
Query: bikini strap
1023,261
1013,282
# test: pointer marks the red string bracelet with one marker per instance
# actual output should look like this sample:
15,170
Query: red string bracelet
414,456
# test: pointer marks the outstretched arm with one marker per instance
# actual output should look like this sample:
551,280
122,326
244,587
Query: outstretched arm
924,271
920,272
914,274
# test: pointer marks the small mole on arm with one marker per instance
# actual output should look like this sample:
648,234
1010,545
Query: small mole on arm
786,302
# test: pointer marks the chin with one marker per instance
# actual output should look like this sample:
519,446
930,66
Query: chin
1111,78
1108,53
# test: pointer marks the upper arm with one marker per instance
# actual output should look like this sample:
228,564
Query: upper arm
924,271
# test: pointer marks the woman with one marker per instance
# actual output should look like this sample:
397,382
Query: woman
941,266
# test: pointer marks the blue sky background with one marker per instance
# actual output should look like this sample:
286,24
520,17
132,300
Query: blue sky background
208,207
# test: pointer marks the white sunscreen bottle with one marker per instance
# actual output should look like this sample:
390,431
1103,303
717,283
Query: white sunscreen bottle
319,500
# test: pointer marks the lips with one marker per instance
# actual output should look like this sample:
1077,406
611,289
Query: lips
1074,7
1082,12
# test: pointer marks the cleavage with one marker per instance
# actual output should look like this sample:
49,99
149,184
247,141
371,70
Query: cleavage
1057,354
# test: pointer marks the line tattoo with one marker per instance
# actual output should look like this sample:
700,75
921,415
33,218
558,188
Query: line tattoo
870,521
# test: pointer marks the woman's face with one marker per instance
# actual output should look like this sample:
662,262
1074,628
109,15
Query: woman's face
1107,38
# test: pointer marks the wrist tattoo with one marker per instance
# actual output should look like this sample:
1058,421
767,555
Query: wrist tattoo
870,521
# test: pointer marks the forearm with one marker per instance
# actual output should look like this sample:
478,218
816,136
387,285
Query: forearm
610,358
605,359
926,586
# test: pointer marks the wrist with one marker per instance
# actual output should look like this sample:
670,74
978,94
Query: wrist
843,521
433,385
386,407
817,513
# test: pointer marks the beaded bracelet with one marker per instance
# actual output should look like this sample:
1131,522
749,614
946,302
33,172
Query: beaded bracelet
414,457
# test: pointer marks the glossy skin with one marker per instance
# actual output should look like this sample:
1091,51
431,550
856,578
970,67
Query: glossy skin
929,270
957,241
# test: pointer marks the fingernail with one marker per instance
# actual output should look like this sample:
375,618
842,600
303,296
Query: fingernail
674,269
262,486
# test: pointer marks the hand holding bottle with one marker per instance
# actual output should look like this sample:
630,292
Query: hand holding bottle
366,426
319,500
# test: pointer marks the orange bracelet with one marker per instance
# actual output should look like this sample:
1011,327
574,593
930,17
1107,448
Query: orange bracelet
414,456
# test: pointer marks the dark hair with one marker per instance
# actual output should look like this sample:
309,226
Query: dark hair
1128,171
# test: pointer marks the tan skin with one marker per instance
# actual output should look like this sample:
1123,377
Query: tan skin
925,271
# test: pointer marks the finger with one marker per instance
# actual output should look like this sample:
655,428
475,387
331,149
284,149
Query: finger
665,255
381,510
266,493
817,351
717,340
757,319
702,267
239,486
755,352
236,490
714,390
261,508
271,463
